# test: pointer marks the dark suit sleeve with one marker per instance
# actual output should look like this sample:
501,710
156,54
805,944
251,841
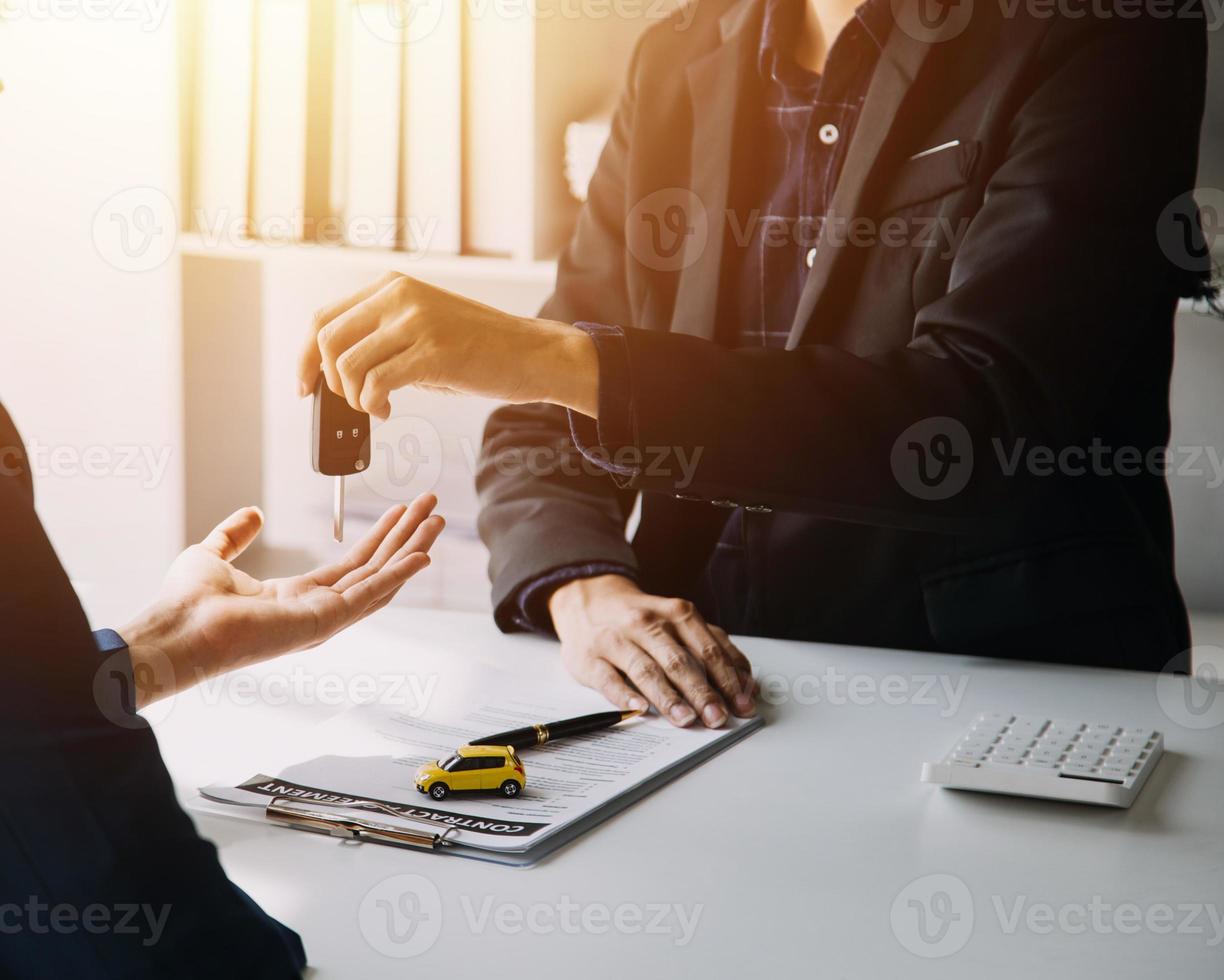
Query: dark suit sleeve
544,505
1055,274
89,823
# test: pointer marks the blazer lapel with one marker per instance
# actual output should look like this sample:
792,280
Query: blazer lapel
715,81
895,72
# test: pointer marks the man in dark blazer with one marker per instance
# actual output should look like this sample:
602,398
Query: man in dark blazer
882,334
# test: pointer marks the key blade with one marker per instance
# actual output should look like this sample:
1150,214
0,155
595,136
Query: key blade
338,510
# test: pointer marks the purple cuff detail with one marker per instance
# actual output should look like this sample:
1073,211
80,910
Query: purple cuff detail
602,442
530,604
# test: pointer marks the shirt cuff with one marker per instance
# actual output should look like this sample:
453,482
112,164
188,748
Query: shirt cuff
108,641
609,443
529,606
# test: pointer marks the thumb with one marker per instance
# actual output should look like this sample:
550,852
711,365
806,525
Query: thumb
231,537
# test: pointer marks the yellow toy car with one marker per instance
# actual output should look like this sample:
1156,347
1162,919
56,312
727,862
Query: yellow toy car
474,767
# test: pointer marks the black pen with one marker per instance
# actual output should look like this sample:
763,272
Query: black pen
525,738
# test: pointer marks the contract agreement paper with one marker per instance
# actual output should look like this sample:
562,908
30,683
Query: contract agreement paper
372,751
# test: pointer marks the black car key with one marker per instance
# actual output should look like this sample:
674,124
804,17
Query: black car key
340,445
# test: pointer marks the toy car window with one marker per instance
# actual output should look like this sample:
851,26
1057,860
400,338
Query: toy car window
449,764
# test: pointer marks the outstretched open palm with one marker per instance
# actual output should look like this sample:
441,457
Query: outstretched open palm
212,617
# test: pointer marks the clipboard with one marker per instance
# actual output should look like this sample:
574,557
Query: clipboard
312,817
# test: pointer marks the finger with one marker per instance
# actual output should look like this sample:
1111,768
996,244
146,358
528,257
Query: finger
425,536
649,678
396,372
419,544
309,358
365,354
705,646
599,675
396,538
687,675
383,584
362,551
736,654
232,536
337,337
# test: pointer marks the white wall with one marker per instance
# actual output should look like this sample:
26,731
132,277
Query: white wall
87,351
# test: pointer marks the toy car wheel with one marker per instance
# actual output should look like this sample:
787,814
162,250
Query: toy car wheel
510,788
439,791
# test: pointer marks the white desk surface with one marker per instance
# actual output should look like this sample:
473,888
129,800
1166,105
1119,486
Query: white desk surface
795,853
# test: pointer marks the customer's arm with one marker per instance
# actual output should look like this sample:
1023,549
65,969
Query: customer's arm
89,823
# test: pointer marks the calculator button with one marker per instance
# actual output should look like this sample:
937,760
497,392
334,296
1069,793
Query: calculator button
1115,772
1133,741
1110,730
1084,758
1079,770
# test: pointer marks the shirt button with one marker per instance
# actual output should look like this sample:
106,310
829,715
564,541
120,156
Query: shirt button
829,134
811,257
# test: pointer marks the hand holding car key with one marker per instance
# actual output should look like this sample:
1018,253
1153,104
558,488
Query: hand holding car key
340,445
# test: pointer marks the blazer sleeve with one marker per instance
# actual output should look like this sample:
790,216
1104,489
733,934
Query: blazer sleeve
88,817
543,505
1056,274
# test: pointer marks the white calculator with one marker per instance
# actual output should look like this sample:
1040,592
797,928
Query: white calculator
1025,755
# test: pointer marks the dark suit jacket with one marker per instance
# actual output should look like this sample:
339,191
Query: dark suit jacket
89,823
1046,318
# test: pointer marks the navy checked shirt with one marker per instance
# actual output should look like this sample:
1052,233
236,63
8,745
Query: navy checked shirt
782,189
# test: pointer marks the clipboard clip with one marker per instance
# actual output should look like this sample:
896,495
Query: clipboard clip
286,810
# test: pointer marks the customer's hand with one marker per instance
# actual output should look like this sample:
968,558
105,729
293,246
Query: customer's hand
401,332
637,648
211,617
